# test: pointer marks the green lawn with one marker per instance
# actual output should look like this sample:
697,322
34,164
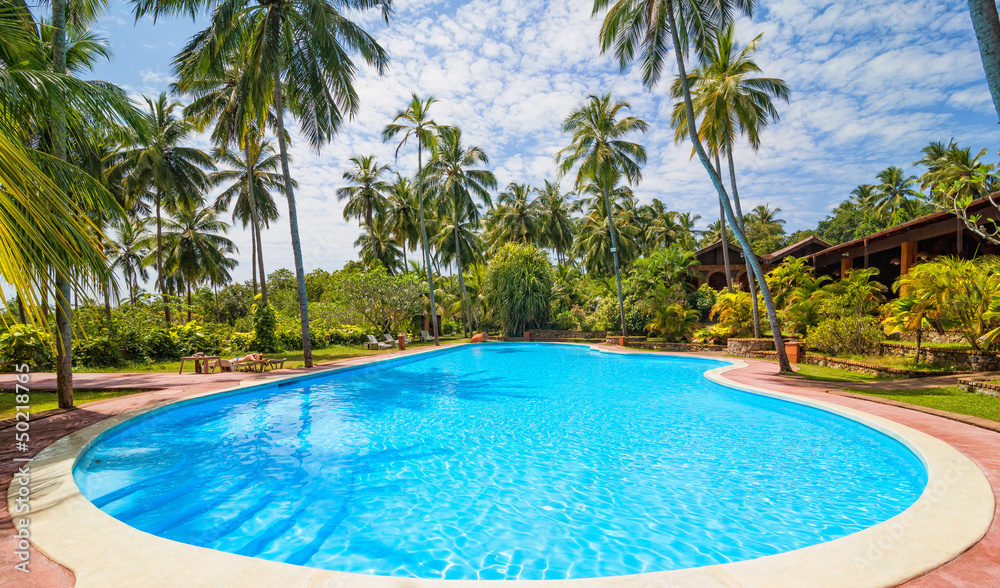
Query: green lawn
950,398
933,345
829,374
895,361
41,400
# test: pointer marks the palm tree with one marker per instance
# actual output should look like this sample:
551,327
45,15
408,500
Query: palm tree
986,22
594,241
662,228
458,186
250,179
195,246
955,175
403,216
128,253
377,244
603,156
157,165
514,218
555,211
366,194
415,121
649,31
894,191
296,56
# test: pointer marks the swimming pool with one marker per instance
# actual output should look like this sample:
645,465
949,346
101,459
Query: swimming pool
505,461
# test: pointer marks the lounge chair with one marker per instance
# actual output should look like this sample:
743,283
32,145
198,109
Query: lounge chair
373,342
276,364
425,336
390,340
406,339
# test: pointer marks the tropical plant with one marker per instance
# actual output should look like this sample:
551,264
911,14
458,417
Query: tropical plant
366,193
458,186
265,324
514,218
732,311
602,156
517,287
22,344
894,192
384,300
849,335
415,121
555,212
649,31
671,321
378,246
128,253
403,214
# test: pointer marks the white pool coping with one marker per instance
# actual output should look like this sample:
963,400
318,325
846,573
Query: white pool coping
953,513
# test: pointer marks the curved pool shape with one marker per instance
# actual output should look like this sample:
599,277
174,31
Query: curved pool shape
500,461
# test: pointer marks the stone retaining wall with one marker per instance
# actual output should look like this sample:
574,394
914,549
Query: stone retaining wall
979,386
575,336
931,336
866,368
678,347
964,360
744,347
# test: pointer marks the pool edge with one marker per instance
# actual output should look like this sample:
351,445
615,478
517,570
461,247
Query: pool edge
953,513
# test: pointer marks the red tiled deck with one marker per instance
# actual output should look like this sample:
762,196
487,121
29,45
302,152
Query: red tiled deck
977,568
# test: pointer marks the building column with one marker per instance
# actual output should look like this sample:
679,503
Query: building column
907,257
846,265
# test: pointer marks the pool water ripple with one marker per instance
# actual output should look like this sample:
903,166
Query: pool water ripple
506,461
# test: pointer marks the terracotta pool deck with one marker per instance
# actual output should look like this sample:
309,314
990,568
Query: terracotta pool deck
978,567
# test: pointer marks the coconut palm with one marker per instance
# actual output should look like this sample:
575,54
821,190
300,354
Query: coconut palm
378,244
158,165
513,219
414,121
894,192
649,31
195,246
955,175
602,156
403,214
555,212
366,194
459,185
128,253
249,182
297,57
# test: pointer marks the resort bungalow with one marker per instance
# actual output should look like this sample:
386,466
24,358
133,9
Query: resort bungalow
894,251
712,269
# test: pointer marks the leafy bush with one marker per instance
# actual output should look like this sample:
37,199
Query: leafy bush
22,344
265,325
702,300
733,311
850,335
96,352
240,342
159,344
346,335
193,338
714,335
607,317
518,286
675,322
564,321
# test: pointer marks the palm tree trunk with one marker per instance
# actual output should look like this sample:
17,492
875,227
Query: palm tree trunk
188,286
253,258
423,238
467,327
986,22
20,310
293,221
64,317
725,246
751,282
255,217
107,297
614,256
159,260
45,293
218,317
772,314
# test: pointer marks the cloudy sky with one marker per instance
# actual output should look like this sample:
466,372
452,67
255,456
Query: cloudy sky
872,83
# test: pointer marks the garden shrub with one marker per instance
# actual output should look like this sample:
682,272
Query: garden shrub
346,335
564,321
194,338
161,345
24,344
240,342
733,311
713,335
98,351
850,335
265,325
518,286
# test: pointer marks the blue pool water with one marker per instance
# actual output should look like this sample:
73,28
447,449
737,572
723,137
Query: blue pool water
501,461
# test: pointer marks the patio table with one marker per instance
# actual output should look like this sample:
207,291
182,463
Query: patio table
199,368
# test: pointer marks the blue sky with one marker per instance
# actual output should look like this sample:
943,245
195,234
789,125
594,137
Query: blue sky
872,83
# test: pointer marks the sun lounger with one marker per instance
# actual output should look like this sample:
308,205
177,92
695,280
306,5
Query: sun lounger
390,340
374,343
276,364
425,336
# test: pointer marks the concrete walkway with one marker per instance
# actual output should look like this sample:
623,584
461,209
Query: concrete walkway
978,567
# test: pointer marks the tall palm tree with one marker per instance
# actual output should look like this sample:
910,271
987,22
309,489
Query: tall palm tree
662,227
377,244
986,22
157,165
128,253
602,155
555,212
195,246
649,31
731,100
366,194
248,183
514,218
955,174
403,217
459,185
298,57
894,191
414,121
